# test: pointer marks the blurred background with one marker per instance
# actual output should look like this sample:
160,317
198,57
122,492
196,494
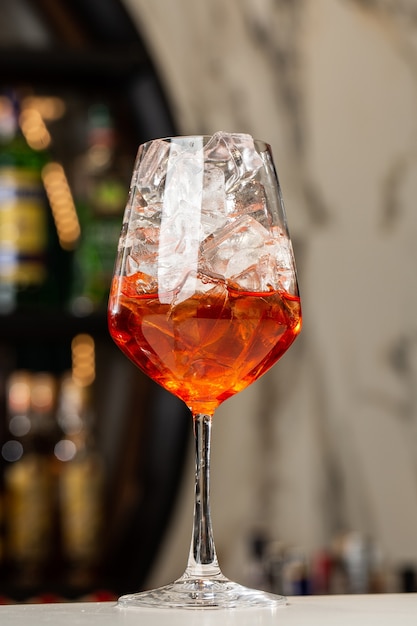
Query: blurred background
314,467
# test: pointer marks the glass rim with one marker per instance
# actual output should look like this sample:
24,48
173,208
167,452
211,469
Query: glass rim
260,144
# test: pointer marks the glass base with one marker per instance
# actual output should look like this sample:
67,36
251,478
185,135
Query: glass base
202,594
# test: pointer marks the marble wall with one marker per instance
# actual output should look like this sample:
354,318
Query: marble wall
327,440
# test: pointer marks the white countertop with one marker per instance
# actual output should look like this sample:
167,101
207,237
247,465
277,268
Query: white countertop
353,610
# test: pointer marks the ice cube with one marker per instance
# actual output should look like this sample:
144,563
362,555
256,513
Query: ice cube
250,256
213,207
140,241
236,154
139,206
262,276
250,199
149,178
231,250
144,272
273,270
285,260
195,283
180,224
141,229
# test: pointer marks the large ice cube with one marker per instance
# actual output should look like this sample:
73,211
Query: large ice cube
180,224
236,154
249,255
231,250
272,270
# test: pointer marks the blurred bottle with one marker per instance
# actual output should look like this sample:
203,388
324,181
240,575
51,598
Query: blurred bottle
408,578
275,562
28,479
27,242
357,565
256,573
296,573
81,486
101,184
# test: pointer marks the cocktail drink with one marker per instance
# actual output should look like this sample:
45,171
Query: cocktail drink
209,347
204,300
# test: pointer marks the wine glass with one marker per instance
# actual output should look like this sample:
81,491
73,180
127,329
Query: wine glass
204,300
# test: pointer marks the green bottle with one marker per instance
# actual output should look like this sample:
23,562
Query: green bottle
27,238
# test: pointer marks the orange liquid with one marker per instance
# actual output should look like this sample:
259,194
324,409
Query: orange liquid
208,347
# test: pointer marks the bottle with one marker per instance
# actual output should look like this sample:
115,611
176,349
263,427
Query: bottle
101,183
296,573
321,571
408,578
26,226
257,574
28,480
81,487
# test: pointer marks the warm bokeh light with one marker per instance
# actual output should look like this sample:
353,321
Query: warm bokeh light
83,360
62,205
34,129
50,108
43,392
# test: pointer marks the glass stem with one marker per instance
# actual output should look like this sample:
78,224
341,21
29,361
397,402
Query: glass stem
202,560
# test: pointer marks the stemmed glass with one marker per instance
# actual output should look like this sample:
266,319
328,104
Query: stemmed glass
204,300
